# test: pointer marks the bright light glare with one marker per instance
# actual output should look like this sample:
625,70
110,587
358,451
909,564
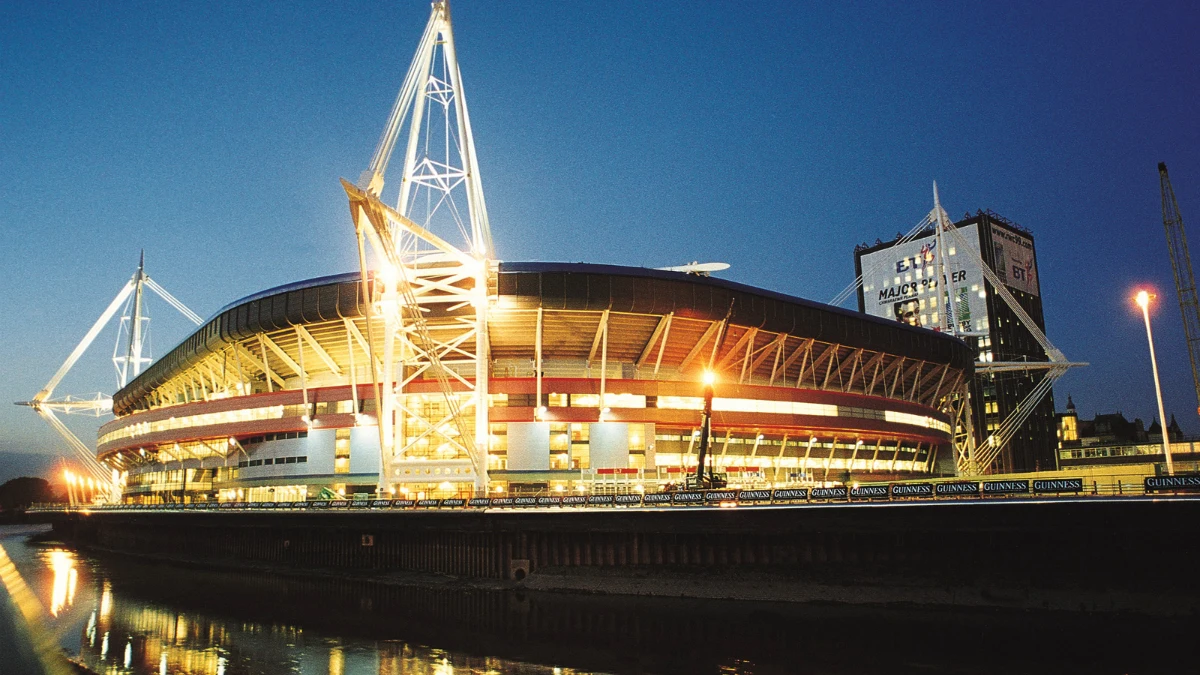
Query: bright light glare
709,377
1143,299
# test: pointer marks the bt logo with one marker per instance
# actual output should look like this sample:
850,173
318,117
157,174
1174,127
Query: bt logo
924,257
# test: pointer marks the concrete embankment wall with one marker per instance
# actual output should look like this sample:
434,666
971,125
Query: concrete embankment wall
1104,544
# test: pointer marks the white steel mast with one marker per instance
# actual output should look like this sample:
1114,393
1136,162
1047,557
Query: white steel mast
421,267
101,404
971,460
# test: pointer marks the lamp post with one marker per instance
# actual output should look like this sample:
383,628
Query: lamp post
1143,299
705,429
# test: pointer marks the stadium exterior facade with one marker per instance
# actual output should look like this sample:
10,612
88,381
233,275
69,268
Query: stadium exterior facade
273,399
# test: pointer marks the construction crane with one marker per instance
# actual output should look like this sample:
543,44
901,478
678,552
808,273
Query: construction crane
1185,283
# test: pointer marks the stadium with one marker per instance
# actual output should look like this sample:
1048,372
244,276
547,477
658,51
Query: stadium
593,384
438,371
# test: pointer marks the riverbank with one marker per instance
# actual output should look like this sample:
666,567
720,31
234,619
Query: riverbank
734,584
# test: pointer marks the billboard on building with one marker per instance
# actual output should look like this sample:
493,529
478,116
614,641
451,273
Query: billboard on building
899,283
1015,264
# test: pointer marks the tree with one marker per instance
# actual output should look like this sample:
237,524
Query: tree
19,493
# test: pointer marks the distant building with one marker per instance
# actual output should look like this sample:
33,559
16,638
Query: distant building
897,285
1111,440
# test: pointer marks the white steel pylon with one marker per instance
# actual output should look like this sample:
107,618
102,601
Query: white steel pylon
971,460
434,260
127,365
977,460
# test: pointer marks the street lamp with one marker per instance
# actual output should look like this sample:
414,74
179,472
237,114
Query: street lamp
1143,299
705,430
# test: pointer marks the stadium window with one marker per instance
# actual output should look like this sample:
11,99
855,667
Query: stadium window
585,400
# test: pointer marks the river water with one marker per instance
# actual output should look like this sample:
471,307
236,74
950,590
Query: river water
119,615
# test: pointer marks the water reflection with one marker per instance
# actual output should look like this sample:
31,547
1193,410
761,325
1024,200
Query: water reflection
62,595
119,616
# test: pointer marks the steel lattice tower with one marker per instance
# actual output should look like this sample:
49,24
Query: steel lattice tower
1185,282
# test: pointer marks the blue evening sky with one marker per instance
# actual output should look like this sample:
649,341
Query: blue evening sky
773,136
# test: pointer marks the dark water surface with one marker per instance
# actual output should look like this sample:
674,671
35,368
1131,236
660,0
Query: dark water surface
121,615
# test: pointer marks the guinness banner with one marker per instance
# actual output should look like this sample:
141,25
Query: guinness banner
869,492
1005,487
549,501
911,489
600,499
429,503
826,493
403,503
574,500
754,496
657,498
801,493
720,495
1173,483
525,501
456,501
1058,485
629,499
688,498
961,488
479,502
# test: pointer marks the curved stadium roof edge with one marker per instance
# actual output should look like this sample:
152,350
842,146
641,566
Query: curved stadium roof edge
679,292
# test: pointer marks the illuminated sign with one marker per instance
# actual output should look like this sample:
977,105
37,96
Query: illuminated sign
720,495
912,489
797,494
754,496
900,283
869,492
964,488
1172,482
1058,485
1005,487
826,493
1015,263
657,498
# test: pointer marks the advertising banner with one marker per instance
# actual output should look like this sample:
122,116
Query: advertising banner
900,283
1015,264
1058,485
